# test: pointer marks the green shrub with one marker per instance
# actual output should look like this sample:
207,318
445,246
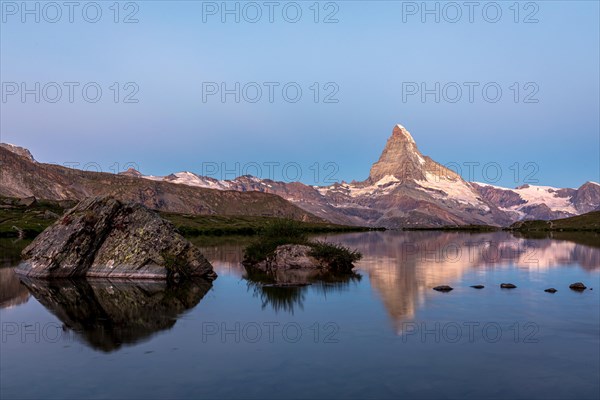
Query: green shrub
281,232
338,257
276,233
283,228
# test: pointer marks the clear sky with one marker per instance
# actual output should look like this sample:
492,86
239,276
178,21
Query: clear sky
375,61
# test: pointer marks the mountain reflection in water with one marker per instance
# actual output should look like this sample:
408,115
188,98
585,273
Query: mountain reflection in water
387,335
108,314
403,266
12,292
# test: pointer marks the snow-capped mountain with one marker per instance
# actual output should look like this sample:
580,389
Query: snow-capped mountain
404,189
407,189
542,202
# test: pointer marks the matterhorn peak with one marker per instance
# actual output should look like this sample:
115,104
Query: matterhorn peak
402,133
400,158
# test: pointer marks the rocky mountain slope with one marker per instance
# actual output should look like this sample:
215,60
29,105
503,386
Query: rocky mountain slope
22,177
404,189
408,189
530,202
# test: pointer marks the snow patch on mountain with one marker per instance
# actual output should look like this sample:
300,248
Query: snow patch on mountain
382,186
545,195
454,189
191,179
538,195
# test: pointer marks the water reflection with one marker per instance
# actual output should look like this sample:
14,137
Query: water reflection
10,251
12,292
404,266
108,314
226,251
290,298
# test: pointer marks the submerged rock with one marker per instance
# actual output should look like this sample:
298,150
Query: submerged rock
551,290
443,288
103,237
577,286
508,286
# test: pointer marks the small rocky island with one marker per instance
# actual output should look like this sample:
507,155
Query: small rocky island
104,237
283,255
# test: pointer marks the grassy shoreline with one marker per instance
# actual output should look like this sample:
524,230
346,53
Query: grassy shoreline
27,218
589,222
461,228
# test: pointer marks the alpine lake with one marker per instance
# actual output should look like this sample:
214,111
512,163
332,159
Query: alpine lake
382,333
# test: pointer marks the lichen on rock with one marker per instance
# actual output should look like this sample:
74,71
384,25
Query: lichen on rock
103,237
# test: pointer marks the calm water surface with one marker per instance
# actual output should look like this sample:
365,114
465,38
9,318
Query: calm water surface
383,335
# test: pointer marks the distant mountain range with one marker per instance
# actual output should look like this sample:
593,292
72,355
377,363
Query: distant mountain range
405,189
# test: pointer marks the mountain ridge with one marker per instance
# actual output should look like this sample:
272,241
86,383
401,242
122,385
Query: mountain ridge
404,189
21,177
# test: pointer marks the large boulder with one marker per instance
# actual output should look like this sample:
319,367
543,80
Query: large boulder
103,237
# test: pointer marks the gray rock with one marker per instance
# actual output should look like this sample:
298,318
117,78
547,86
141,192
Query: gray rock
50,215
443,288
551,290
103,237
577,286
292,264
290,257
508,286
27,201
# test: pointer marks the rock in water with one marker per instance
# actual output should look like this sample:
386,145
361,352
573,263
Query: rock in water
443,288
577,286
508,286
550,290
477,286
289,257
293,264
103,237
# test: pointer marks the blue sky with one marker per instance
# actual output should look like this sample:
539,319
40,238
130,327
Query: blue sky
547,130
